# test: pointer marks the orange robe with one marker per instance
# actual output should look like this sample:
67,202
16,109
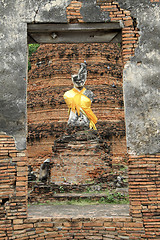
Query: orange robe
77,101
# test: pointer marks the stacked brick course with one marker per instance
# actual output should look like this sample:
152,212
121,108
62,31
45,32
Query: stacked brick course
80,157
129,31
13,187
73,12
144,192
99,229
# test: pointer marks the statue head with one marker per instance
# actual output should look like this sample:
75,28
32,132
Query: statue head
80,79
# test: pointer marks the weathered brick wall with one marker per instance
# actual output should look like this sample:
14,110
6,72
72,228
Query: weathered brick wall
144,204
143,179
144,192
88,228
13,186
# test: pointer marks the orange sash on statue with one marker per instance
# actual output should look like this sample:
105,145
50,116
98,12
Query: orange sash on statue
77,101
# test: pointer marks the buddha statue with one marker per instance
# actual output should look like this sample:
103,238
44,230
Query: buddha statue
79,100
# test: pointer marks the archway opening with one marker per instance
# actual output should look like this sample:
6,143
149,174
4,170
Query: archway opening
50,76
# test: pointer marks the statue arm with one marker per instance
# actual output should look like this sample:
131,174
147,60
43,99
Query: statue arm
89,94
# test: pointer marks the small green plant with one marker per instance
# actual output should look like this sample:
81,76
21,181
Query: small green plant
89,182
31,49
123,168
125,180
109,198
61,189
84,202
114,197
102,200
88,189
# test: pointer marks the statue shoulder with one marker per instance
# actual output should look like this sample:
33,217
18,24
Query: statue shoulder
68,94
89,94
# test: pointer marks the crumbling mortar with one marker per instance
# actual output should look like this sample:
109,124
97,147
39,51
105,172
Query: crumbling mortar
36,13
117,5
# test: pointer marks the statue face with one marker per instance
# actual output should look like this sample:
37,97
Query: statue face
80,79
78,82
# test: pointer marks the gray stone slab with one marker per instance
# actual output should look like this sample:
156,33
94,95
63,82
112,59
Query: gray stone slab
75,211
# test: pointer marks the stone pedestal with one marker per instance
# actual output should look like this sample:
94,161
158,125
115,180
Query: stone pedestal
79,157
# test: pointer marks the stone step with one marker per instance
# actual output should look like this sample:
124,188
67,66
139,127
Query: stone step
84,196
119,194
